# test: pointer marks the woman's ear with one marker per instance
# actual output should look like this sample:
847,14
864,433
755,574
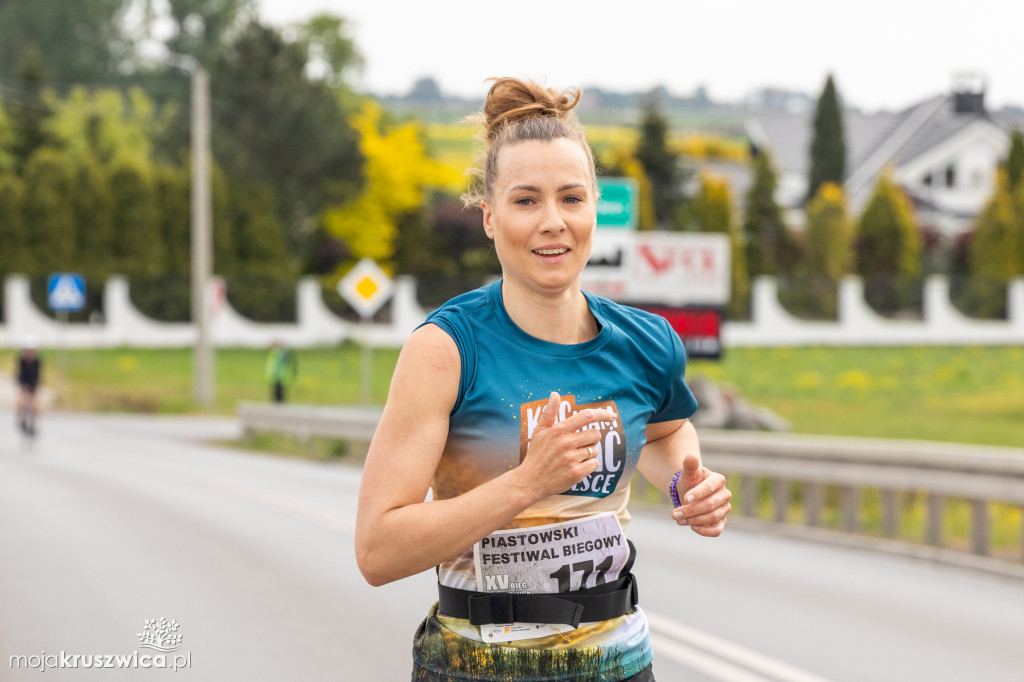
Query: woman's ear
488,218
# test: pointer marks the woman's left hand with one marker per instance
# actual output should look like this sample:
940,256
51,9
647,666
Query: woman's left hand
705,499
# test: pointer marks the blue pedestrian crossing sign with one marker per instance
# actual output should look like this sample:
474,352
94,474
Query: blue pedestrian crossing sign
65,292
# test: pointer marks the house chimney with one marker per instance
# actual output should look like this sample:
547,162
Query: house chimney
969,93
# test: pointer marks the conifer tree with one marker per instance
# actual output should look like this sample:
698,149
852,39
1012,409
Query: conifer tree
660,163
261,286
14,256
225,261
828,144
888,246
1018,223
829,255
1015,160
49,215
996,252
7,138
712,207
29,112
93,210
138,244
770,248
995,248
712,212
261,245
829,234
173,195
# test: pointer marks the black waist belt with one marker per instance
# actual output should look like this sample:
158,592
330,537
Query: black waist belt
582,606
589,605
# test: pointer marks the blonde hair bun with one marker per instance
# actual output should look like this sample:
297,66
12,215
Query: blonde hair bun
517,111
511,100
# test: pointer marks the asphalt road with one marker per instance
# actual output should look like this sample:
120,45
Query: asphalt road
113,521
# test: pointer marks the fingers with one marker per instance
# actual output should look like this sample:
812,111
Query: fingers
706,506
691,466
710,531
693,474
549,415
564,452
706,512
585,418
708,483
588,453
550,412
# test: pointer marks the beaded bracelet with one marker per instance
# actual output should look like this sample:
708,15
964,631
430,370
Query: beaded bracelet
672,489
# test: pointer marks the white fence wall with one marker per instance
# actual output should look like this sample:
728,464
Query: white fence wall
859,325
125,326
771,325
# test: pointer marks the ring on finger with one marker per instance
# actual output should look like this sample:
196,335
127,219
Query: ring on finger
590,452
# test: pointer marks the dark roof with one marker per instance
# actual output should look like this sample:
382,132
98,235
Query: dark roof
1011,118
788,136
912,132
872,140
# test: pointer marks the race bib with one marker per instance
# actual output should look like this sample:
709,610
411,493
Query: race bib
558,557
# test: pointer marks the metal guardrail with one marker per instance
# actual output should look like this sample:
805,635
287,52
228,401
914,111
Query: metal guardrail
981,475
305,421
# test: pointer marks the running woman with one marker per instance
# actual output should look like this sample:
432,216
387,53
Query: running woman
524,408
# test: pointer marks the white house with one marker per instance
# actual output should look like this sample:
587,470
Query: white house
943,151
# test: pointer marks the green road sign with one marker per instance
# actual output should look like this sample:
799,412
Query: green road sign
617,207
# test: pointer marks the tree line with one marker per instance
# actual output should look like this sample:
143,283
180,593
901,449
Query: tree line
884,243
310,175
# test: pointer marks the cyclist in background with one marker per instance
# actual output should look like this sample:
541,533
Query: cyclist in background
29,371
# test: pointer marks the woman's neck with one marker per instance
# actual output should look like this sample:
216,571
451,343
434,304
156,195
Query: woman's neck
563,318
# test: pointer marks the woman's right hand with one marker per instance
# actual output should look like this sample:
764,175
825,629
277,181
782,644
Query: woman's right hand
558,457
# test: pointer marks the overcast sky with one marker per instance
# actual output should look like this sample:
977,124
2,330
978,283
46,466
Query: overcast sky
883,53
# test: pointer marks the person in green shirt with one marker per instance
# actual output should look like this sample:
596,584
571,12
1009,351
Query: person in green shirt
282,368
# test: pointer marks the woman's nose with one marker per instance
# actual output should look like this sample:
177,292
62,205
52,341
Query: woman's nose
551,219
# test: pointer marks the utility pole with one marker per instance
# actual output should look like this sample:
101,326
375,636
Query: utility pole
202,236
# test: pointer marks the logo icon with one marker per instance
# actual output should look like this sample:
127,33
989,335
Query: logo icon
160,635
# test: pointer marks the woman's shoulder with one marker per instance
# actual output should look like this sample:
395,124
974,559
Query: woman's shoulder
463,305
629,319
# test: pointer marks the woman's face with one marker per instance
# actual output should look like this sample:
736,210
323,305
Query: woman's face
542,214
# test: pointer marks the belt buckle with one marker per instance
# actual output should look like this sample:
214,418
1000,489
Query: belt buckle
494,607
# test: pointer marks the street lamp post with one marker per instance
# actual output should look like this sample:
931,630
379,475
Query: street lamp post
202,236
202,218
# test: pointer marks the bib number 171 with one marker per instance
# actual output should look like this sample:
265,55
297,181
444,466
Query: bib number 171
564,574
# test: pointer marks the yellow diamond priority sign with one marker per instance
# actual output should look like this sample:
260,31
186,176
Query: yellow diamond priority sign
366,287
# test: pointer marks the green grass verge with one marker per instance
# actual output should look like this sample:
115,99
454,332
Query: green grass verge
958,394
316,449
160,381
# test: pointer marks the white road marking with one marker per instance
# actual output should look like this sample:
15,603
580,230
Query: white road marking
766,665
702,662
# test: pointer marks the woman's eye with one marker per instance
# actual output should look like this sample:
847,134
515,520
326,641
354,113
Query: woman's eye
573,199
523,201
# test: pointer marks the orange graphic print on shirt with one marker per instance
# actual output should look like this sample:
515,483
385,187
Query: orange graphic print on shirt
610,449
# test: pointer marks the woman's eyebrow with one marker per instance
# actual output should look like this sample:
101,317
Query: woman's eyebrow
532,188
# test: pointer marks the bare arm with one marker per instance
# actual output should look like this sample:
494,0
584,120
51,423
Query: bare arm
672,447
397,533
